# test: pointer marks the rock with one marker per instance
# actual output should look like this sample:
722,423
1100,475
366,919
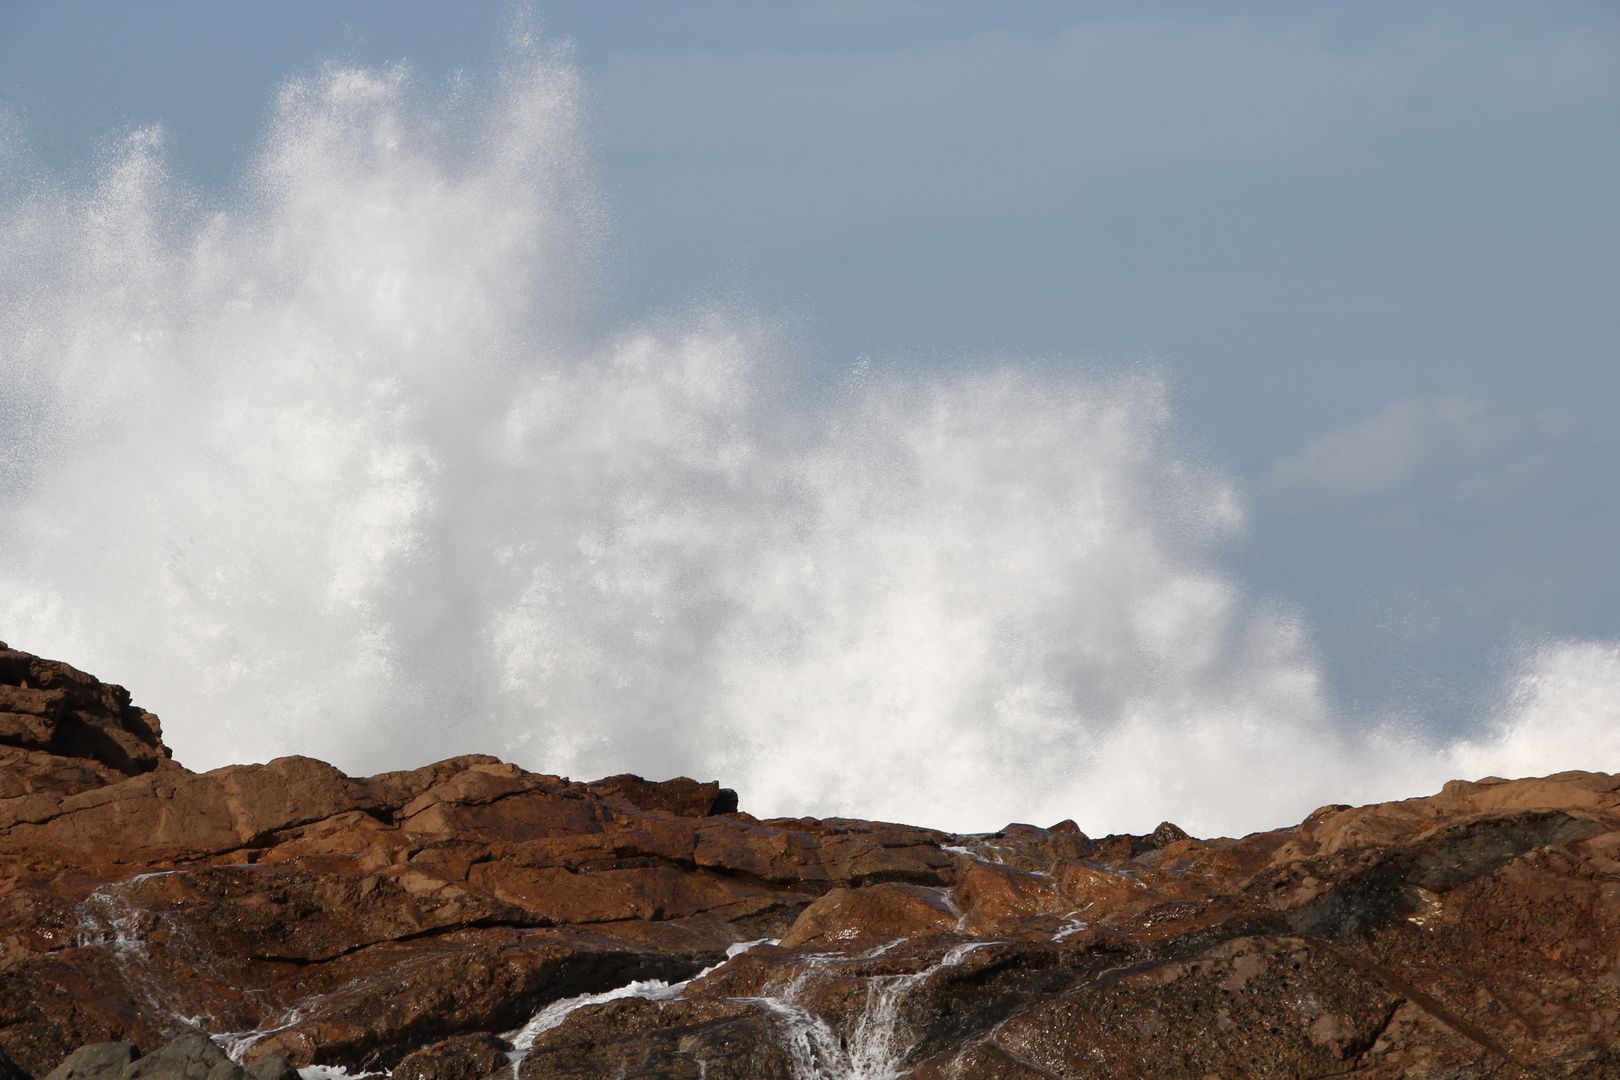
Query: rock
681,796
691,1040
995,896
465,1057
1102,892
29,718
1029,847
1068,842
396,921
1225,1010
191,1055
1165,835
48,705
96,1061
887,910
272,1067
10,1070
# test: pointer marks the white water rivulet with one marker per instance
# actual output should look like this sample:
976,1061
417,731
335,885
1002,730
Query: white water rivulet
874,1047
340,466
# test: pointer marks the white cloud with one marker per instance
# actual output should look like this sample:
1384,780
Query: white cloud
1420,442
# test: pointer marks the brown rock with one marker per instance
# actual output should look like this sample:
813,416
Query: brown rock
323,918
10,1070
1000,896
29,718
375,1006
1095,892
690,1040
760,851
887,910
680,796
465,1057
861,852
1165,835
1030,847
48,706
1226,1011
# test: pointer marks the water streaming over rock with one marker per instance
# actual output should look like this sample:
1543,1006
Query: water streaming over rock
111,919
871,1045
555,1013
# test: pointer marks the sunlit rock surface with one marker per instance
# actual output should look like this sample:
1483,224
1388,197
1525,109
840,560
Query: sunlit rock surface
469,919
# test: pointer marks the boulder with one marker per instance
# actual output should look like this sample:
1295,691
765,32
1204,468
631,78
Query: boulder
191,1055
96,1061
272,1067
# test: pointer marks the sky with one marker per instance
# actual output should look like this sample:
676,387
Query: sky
1373,248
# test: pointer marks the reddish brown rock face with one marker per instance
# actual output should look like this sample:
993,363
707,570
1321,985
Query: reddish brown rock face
63,732
413,919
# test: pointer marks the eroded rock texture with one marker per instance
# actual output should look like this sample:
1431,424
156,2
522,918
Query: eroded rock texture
469,919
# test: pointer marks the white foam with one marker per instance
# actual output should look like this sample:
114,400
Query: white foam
549,1016
332,1072
874,1044
336,467
738,948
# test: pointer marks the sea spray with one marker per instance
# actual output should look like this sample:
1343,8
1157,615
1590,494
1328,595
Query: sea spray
341,466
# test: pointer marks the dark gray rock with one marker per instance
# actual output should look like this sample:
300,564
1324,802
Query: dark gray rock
191,1056
274,1067
10,1070
96,1061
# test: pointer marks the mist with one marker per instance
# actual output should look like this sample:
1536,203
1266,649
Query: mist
348,463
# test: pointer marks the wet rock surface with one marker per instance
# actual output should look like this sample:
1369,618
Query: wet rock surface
481,1053
472,920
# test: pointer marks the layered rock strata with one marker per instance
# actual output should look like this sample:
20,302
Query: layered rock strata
472,920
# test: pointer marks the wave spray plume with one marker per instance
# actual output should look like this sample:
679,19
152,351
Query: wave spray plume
340,467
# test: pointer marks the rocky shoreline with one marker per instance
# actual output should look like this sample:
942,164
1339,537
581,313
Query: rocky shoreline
471,920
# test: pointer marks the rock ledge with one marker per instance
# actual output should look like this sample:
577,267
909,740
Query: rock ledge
469,920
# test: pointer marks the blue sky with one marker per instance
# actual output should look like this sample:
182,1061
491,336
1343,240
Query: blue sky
1375,246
